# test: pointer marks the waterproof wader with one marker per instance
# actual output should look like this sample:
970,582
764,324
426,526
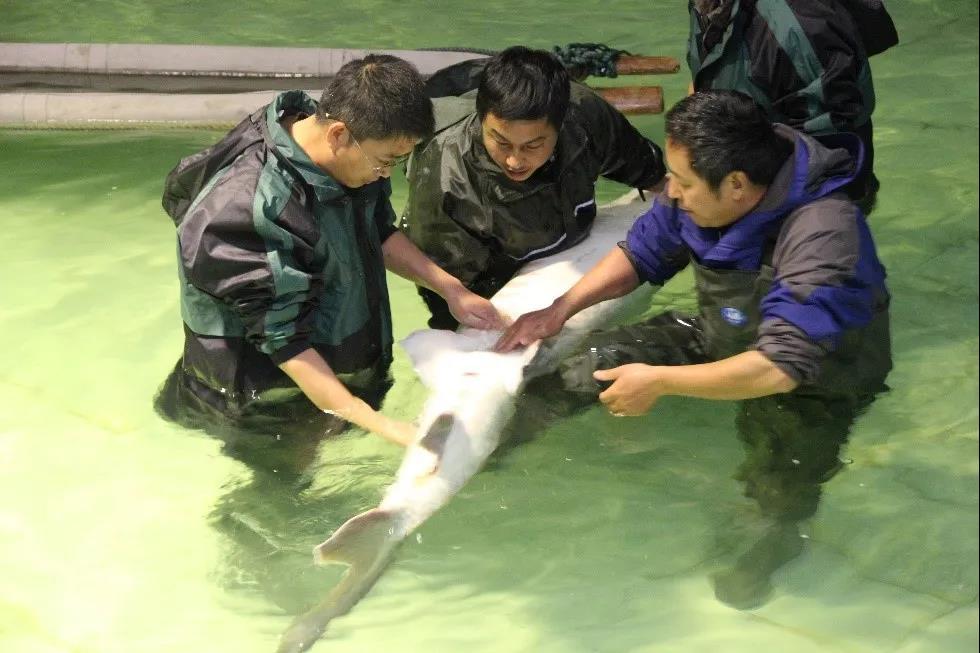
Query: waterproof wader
277,432
792,440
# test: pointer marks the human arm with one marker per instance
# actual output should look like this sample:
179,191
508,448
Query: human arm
406,260
653,251
637,387
828,286
613,276
623,153
313,375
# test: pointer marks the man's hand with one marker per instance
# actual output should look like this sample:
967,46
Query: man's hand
636,388
406,260
474,311
532,327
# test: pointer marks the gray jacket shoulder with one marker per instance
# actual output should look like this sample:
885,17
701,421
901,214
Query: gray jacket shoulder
818,237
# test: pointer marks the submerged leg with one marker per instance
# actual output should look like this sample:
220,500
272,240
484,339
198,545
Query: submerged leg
667,339
746,584
792,446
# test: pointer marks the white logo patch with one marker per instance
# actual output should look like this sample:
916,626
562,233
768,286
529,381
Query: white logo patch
733,316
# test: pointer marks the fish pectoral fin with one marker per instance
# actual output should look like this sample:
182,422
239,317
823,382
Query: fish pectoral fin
359,541
434,442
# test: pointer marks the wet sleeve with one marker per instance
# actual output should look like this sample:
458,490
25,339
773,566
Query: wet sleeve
253,264
430,223
818,291
625,155
653,244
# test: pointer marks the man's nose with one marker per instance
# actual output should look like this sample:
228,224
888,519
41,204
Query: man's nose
672,188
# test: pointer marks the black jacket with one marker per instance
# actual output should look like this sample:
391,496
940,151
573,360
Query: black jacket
480,226
804,61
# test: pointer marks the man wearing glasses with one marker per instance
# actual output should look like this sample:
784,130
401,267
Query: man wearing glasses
284,232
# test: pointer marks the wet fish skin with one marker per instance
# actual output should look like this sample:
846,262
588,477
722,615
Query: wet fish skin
472,396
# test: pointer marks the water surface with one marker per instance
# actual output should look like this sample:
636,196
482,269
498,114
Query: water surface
121,533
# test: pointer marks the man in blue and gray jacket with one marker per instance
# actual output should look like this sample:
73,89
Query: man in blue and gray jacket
793,317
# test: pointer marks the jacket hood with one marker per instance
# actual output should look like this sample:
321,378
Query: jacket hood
715,19
262,129
289,152
817,167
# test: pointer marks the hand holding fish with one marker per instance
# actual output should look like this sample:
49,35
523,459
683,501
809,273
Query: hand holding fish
531,327
474,311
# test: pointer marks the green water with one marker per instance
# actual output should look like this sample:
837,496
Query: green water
121,533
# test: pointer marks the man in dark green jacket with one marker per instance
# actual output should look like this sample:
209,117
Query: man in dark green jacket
510,174
805,62
284,231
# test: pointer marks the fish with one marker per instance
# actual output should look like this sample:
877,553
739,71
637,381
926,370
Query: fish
472,395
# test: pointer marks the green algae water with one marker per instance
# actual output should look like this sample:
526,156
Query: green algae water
122,533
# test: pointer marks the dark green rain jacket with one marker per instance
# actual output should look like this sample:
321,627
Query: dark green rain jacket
275,257
804,61
480,226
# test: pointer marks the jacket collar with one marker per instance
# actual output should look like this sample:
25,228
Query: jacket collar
817,167
813,170
572,140
298,103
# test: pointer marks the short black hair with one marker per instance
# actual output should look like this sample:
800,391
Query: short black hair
724,131
523,84
379,97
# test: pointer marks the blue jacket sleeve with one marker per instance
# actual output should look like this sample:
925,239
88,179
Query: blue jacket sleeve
654,243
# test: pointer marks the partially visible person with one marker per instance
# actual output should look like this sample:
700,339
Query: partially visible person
793,310
510,174
284,231
804,61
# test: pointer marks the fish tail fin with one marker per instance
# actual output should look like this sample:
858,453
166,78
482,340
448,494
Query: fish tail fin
358,540
365,543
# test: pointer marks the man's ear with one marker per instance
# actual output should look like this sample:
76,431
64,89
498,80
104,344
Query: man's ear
738,182
337,135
